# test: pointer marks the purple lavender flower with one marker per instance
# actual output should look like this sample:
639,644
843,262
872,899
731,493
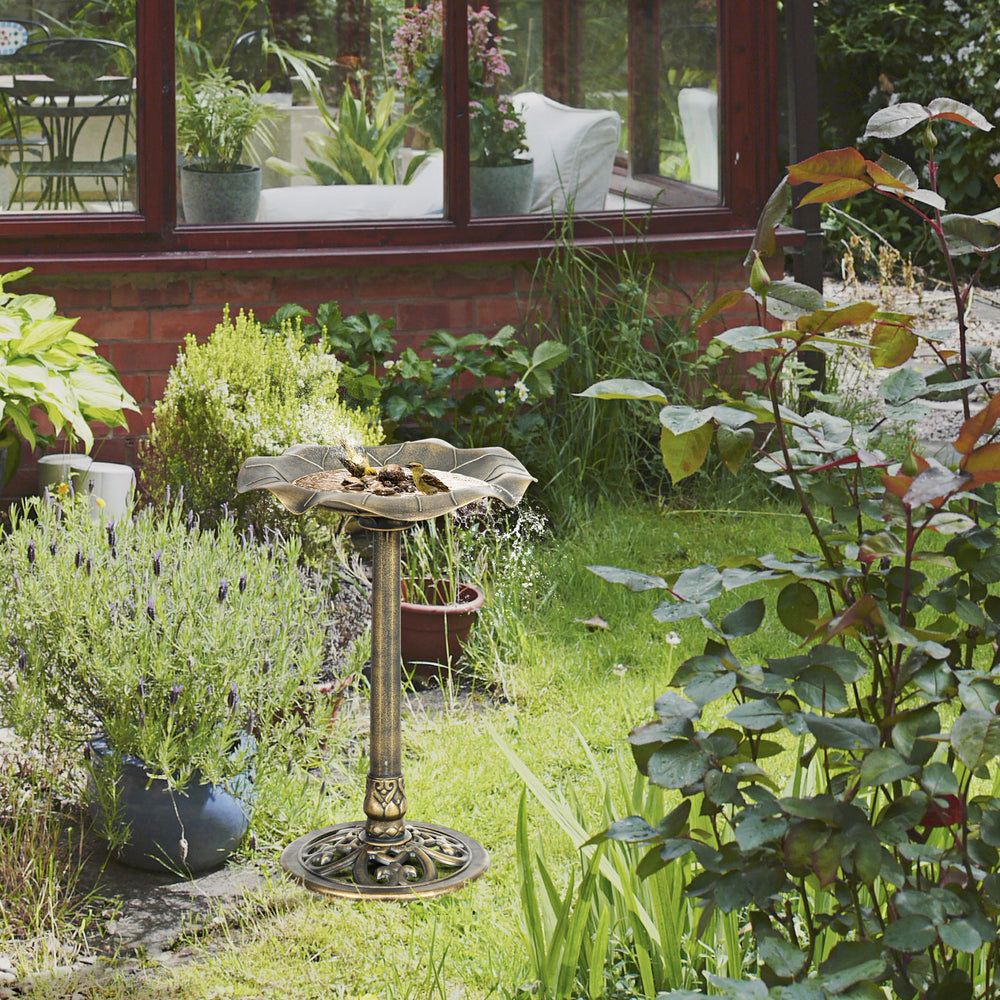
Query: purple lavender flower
243,583
22,659
175,693
223,589
53,547
157,556
233,698
151,610
90,566
31,552
79,558
112,537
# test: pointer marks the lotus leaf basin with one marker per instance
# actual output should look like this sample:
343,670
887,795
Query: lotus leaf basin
472,473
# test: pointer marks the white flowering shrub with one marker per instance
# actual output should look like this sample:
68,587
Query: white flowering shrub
243,392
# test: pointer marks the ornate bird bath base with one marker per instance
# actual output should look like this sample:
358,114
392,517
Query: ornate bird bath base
384,857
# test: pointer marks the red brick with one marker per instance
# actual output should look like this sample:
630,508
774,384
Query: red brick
137,385
454,315
175,324
151,292
475,281
71,299
145,357
108,325
311,290
493,313
239,292
398,283
157,387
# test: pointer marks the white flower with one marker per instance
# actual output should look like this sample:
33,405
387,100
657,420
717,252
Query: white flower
620,669
672,639
501,395
389,364
522,391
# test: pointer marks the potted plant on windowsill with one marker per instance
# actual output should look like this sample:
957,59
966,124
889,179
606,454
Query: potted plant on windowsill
500,180
51,368
176,655
217,119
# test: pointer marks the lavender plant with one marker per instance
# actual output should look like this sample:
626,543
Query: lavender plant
170,642
875,873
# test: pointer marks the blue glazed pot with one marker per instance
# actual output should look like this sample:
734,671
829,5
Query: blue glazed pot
211,820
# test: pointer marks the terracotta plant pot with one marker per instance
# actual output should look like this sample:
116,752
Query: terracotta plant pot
433,632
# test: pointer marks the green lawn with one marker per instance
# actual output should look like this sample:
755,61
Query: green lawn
569,689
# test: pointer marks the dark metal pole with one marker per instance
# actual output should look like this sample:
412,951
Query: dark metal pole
385,799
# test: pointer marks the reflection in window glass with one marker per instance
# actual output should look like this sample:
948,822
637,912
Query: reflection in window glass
652,65
345,139
67,107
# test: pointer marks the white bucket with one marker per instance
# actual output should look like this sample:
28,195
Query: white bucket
65,467
113,483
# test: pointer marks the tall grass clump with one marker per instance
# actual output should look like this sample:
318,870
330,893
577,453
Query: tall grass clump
607,311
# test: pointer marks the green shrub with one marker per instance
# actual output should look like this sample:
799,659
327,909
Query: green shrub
244,392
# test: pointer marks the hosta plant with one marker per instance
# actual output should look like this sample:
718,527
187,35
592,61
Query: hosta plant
47,367
872,871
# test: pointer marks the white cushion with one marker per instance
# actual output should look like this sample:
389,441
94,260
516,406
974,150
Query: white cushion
699,111
423,196
574,152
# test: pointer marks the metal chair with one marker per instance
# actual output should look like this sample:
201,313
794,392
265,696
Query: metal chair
15,32
64,93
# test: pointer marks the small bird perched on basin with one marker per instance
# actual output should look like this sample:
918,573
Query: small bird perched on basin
356,462
425,481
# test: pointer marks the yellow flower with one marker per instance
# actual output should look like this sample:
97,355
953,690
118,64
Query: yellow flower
62,489
100,502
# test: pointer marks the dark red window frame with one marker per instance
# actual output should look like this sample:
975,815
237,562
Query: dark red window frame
149,239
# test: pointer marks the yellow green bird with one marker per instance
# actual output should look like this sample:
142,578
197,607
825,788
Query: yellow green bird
356,462
425,481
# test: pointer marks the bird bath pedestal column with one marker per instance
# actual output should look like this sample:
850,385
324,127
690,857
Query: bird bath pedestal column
384,856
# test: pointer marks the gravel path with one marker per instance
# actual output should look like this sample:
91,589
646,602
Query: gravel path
936,309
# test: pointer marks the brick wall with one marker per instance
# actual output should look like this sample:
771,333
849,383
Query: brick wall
140,320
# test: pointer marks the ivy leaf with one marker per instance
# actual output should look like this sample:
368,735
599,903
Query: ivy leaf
975,737
853,962
843,733
883,766
896,120
678,764
684,454
798,608
624,388
757,715
744,620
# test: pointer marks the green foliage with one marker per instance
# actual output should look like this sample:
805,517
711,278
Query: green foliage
170,641
606,310
46,365
360,144
616,932
878,867
217,117
244,392
503,380
872,54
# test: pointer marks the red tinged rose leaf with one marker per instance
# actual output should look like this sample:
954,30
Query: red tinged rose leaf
944,810
844,187
977,425
897,485
955,111
827,166
721,304
883,178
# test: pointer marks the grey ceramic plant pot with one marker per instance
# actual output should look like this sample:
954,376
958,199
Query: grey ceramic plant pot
220,196
501,190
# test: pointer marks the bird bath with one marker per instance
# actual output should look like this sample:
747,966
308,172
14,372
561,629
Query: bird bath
384,856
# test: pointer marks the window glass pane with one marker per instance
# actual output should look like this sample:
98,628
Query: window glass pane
624,99
67,107
340,142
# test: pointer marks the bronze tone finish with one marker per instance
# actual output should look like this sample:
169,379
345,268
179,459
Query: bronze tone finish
385,857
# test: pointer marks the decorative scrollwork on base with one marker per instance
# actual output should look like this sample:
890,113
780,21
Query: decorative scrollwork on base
341,861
